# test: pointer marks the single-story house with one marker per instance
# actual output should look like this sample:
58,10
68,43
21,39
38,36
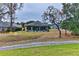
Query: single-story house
36,26
4,26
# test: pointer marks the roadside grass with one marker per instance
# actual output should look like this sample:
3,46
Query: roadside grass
16,35
19,37
25,35
51,50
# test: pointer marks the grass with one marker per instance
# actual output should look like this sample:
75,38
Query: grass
52,50
18,37
26,37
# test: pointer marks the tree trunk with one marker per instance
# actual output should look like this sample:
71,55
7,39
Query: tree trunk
58,29
65,32
11,17
66,27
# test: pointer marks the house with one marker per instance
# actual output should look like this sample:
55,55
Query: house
36,26
4,26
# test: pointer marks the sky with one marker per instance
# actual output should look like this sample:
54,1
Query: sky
33,11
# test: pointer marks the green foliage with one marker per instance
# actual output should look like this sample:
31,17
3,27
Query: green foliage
18,29
64,24
71,22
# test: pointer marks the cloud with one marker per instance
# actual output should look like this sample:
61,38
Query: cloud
34,10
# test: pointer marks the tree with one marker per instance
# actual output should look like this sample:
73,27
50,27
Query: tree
75,12
54,16
66,16
73,17
2,12
10,11
12,8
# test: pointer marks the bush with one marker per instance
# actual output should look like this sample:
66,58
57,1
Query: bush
76,34
14,29
18,29
8,30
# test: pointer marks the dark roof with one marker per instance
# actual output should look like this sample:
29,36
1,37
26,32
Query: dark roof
7,24
36,23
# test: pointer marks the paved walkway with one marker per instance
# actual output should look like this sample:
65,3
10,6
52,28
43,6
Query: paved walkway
33,44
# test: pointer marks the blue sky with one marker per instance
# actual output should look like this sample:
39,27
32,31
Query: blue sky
33,11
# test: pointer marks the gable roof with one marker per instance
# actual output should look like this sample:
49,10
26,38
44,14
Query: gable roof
36,23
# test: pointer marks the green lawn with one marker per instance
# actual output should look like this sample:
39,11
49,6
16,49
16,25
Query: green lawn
52,50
